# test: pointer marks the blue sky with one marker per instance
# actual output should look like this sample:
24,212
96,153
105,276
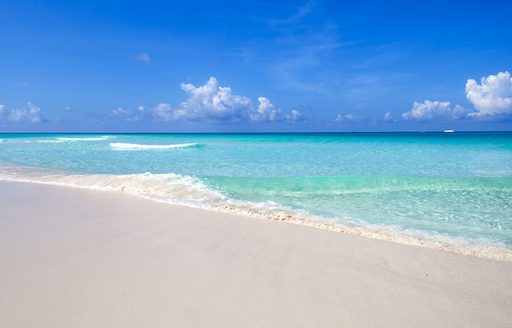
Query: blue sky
126,66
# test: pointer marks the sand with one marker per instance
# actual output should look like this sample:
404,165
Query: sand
78,258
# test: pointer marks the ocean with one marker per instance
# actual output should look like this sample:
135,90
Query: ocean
443,190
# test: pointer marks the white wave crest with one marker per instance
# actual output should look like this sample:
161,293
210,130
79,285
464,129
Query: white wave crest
185,190
48,141
130,146
170,188
82,138
69,139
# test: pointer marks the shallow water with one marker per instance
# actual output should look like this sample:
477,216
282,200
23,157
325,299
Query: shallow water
439,185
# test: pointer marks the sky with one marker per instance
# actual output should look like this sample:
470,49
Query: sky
255,66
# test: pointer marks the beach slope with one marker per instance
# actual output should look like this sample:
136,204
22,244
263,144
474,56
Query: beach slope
78,258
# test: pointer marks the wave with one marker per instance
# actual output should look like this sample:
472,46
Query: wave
190,191
48,141
70,139
82,138
169,187
130,146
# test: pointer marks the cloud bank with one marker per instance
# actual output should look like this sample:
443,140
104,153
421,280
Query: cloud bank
491,99
29,114
434,110
213,102
353,118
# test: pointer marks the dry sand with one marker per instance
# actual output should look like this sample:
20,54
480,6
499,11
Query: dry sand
77,258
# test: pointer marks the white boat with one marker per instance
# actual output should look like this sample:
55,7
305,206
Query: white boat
448,131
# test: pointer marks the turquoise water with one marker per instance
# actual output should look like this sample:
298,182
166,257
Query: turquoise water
434,184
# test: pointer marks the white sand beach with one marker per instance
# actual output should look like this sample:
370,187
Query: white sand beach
78,258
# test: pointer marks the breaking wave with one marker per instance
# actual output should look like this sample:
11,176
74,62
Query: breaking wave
83,138
71,139
190,191
130,146
48,141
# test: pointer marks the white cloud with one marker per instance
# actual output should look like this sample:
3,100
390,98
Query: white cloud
387,117
214,102
434,110
217,103
492,97
31,114
165,112
340,118
143,58
211,102
266,112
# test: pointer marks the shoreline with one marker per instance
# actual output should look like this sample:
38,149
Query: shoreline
82,258
456,245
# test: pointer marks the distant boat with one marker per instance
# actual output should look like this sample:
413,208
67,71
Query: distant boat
448,131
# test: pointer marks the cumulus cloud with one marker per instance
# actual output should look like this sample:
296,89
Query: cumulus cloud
214,102
434,110
165,112
387,117
340,118
492,97
30,113
143,58
266,112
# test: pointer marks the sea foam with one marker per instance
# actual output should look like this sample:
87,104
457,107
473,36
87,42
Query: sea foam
71,139
83,138
130,146
190,191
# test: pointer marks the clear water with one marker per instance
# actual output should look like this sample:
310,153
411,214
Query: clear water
437,184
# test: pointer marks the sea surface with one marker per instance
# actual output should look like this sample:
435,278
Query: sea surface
449,190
